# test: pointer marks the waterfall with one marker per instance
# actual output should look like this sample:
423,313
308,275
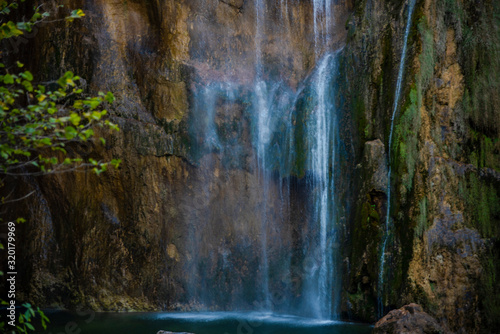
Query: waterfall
322,135
264,133
397,97
320,285
282,148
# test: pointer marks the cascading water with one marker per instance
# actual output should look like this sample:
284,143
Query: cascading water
323,23
322,136
263,139
397,97
293,135
322,287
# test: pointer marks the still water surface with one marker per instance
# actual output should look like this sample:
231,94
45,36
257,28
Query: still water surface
194,322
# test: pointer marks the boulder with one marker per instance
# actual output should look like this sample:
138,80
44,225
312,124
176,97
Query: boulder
408,319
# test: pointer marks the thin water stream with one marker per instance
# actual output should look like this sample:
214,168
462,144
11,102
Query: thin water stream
388,226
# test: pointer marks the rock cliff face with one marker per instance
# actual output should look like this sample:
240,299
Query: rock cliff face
445,206
125,240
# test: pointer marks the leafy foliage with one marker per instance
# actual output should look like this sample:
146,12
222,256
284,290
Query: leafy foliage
12,29
24,321
35,134
39,121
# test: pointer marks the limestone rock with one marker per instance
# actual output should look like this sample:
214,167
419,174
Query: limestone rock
408,319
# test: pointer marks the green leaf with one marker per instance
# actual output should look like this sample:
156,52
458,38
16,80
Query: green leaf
75,14
96,115
70,132
36,16
8,79
87,134
8,30
27,75
93,103
110,97
45,142
115,163
30,326
78,104
75,119
66,79
44,317
78,13
23,26
28,86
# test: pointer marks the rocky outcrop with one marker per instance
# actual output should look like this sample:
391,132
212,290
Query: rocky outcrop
410,319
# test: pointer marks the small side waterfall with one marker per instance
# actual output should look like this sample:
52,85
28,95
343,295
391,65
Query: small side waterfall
388,225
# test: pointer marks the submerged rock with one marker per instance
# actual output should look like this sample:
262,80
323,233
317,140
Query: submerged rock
408,319
167,332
